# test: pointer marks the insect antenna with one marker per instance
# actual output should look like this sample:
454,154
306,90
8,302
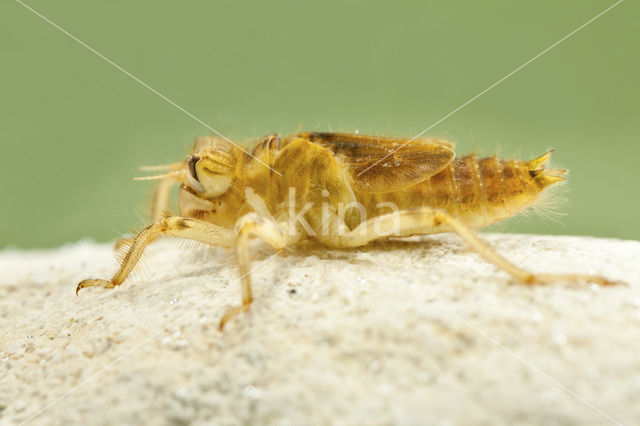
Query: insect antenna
159,168
178,175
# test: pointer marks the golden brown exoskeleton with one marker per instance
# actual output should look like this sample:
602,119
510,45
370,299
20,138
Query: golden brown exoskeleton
342,190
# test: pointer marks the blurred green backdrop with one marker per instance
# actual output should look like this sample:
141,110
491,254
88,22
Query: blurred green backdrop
74,129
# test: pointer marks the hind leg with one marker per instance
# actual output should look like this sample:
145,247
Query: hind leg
426,220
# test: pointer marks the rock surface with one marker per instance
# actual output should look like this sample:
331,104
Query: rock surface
418,331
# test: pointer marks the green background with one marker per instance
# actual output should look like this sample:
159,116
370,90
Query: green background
74,129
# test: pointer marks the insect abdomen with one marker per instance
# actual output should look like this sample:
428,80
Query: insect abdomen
466,188
486,190
477,191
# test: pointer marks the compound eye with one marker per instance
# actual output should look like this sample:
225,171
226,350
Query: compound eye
192,174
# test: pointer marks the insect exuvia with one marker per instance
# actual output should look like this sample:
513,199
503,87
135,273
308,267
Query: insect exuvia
341,190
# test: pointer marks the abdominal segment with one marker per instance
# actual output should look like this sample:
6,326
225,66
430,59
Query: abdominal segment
476,191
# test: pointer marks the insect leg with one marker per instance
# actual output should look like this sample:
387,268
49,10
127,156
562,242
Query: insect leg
161,198
170,226
425,219
252,225
160,203
123,242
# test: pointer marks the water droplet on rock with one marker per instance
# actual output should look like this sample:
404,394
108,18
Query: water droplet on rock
426,376
384,389
592,372
559,338
173,301
182,393
251,392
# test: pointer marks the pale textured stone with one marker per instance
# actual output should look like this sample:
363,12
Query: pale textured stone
404,332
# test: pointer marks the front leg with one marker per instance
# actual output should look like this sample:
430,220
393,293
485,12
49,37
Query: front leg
175,226
252,225
160,205
162,198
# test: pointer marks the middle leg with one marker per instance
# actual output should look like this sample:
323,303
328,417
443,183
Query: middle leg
252,225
